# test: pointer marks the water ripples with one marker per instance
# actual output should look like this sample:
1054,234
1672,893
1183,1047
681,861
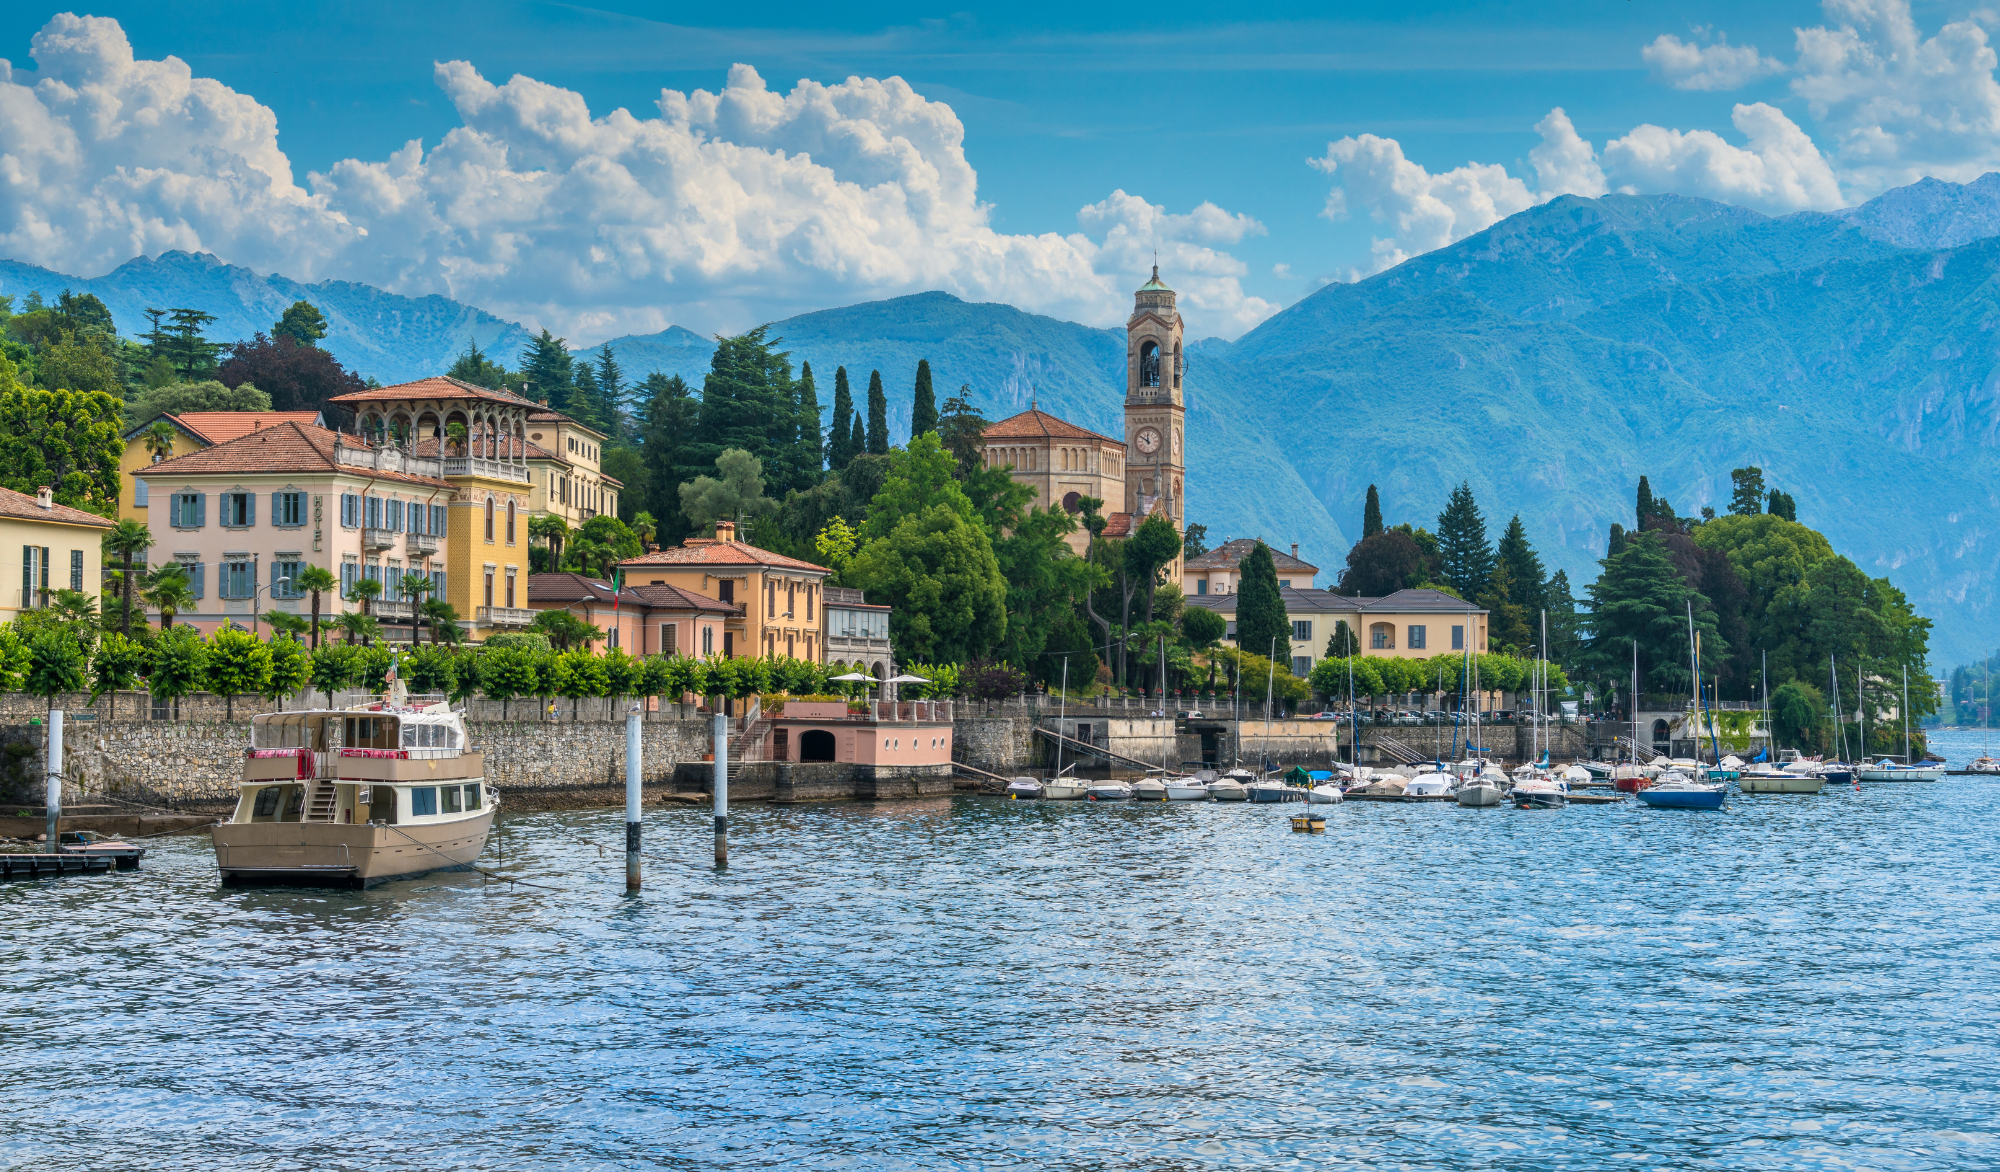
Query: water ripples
1797,982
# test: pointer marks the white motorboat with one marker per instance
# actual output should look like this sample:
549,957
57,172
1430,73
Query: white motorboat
1429,784
1149,789
1539,793
1887,770
1227,789
1766,779
1063,789
1984,765
1577,775
1108,791
1325,794
1186,789
1024,787
1601,770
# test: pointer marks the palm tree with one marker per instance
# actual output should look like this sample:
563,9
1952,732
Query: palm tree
644,527
283,622
160,440
589,555
169,590
364,591
414,586
455,434
126,539
315,580
553,530
443,619
355,625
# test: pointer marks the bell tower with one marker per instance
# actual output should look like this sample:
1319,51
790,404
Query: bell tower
1155,411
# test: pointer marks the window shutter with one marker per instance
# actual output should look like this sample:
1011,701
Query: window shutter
199,576
139,494
249,508
437,520
200,509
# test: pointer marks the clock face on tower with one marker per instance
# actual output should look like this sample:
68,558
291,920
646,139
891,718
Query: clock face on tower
1148,440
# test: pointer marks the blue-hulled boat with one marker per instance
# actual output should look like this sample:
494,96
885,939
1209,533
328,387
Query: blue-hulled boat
1677,791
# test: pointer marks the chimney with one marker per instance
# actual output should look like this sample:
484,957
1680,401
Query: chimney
45,497
1295,551
725,530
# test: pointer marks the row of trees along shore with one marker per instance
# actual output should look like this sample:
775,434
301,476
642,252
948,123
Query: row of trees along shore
1767,595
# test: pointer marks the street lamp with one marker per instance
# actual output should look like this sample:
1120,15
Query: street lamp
255,593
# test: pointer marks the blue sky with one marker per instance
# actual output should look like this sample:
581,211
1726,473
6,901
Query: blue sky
1061,107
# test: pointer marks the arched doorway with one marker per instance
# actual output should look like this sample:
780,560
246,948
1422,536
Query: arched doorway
815,744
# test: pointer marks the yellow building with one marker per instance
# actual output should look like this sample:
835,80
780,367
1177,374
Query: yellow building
784,612
486,546
45,547
565,461
1060,461
191,431
1409,624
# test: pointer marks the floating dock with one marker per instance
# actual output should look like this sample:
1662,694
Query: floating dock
42,865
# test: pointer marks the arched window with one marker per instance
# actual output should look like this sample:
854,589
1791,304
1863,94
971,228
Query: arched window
1180,364
510,522
1382,636
1149,364
489,518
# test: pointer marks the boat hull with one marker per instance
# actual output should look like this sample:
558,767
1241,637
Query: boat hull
1228,793
1480,795
1063,791
1540,800
1681,799
1325,795
1149,792
1270,793
1187,793
1024,790
327,854
1790,783
1902,774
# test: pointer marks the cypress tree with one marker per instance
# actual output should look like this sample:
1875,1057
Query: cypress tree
1616,545
1646,506
1371,515
811,445
1465,556
923,406
1260,609
878,416
1527,580
857,440
548,369
610,389
839,449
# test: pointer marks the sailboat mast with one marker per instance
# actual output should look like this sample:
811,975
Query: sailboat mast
1062,711
1770,754
1906,715
1635,701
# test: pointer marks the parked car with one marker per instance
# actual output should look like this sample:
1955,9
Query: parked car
1190,714
1327,714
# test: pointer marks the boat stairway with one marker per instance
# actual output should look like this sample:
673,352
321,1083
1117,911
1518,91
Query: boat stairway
322,801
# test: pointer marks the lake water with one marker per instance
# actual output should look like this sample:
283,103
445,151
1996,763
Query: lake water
1796,982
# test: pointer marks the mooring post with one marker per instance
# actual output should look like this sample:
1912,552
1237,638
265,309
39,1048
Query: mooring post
721,789
632,799
55,774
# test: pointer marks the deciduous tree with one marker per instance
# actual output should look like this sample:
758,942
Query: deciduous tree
293,375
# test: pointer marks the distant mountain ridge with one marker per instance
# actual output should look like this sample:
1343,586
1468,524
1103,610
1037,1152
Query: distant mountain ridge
372,332
1549,360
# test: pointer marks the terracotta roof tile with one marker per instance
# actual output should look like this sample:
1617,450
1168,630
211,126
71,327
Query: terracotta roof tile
550,415
1038,424
671,597
287,447
436,387
20,505
217,427
704,552
1230,553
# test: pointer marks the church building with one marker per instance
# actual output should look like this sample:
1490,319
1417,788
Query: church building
1143,473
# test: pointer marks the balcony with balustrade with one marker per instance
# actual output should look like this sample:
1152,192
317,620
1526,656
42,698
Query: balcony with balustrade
377,539
503,616
420,544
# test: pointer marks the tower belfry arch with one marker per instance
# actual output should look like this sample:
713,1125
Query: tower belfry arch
1155,408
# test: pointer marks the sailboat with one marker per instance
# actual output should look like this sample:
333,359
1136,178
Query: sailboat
1677,790
1060,788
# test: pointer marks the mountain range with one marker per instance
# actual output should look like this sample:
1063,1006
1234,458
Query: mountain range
1549,360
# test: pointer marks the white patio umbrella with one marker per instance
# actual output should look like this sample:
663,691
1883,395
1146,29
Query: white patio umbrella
904,678
853,677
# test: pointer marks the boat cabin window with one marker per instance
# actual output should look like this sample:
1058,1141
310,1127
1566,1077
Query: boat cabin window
472,797
429,736
295,803
369,732
267,802
423,800
448,799
381,803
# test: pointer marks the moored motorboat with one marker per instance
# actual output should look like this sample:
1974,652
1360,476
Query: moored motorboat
1539,793
1108,791
1186,789
355,796
1763,779
1149,789
1271,789
1984,765
1429,784
1227,789
1024,787
1679,791
1325,794
1887,770
1063,789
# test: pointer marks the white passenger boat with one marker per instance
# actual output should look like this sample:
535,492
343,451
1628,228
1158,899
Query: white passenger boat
1024,787
1108,791
356,796
1186,789
1149,789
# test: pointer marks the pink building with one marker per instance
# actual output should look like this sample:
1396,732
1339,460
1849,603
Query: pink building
910,733
642,620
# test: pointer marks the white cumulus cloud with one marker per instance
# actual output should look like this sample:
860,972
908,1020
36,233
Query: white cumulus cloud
1686,65
715,210
1422,210
1779,171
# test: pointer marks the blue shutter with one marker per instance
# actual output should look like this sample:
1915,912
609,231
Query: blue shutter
249,508
200,575
278,509
347,510
437,520
200,511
